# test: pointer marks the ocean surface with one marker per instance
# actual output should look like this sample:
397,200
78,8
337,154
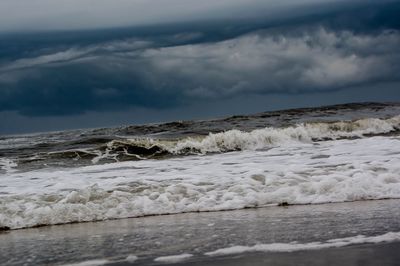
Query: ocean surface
330,154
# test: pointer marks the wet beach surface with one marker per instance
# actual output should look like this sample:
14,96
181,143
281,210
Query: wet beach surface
366,255
148,238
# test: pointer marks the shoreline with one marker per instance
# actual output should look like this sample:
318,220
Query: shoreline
366,255
148,238
280,205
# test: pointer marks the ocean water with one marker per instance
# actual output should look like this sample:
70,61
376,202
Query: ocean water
302,156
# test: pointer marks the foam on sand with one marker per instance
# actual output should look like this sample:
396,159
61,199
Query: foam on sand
131,258
173,258
89,263
292,247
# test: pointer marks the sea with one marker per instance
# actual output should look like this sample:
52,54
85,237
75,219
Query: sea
307,156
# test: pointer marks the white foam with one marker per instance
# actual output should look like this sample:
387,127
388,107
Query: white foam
8,165
89,263
291,247
301,173
131,258
174,258
13,142
267,137
232,140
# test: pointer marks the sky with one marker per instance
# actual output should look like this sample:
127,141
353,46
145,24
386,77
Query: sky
96,63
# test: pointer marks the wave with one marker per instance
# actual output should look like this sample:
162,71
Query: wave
7,165
144,199
337,171
236,140
233,140
89,150
83,149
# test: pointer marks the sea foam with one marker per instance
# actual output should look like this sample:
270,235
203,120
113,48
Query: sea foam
7,165
294,246
299,173
234,140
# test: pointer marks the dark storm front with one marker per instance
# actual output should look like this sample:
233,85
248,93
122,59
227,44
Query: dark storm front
157,141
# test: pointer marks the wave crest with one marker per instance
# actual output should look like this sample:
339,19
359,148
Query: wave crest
235,140
121,149
338,171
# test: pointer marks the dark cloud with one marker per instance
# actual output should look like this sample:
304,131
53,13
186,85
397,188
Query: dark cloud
13,122
23,15
318,49
315,60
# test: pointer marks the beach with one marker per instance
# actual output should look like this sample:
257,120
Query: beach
182,132
141,241
302,186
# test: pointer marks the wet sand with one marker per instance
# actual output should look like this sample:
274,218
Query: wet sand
363,255
198,233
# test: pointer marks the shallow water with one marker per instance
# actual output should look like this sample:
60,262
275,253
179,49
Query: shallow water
197,233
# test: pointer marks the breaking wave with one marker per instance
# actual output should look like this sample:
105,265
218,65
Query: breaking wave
84,149
336,171
236,140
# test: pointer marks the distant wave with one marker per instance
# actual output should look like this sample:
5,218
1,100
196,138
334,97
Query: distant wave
93,149
180,138
236,140
233,140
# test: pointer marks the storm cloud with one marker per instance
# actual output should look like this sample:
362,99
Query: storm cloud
40,15
315,60
320,48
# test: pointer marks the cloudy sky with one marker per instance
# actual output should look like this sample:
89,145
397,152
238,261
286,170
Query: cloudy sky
94,63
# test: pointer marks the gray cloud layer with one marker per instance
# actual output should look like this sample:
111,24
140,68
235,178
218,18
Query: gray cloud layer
308,61
351,51
135,73
82,14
